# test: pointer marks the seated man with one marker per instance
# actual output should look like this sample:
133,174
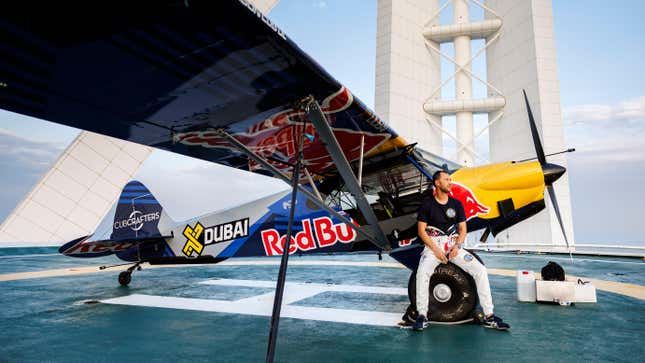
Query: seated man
439,213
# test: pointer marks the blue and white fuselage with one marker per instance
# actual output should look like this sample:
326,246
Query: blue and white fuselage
138,229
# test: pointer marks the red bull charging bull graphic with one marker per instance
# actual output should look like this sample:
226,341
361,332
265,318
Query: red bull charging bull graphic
275,137
472,207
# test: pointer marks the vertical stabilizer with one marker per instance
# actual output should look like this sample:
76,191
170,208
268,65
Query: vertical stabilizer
138,214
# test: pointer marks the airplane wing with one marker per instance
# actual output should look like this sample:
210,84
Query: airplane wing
171,74
215,80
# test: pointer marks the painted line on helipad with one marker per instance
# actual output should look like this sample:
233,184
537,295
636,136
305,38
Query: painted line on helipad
622,288
309,285
28,256
261,307
549,258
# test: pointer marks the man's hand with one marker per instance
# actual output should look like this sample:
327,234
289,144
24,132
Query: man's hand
454,251
440,256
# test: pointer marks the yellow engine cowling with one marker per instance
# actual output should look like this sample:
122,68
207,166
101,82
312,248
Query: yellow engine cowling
489,184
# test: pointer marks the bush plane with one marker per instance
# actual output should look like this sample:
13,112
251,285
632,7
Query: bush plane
218,81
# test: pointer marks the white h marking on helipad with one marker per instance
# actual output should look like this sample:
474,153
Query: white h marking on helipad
261,305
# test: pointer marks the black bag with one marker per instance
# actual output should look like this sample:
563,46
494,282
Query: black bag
552,272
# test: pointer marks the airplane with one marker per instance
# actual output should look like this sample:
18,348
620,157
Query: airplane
220,82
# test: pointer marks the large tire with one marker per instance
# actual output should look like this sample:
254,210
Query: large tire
463,297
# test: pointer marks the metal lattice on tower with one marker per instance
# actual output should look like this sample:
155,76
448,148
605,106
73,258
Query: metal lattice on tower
461,32
519,44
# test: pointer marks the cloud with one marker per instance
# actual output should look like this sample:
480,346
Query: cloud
606,171
627,111
22,163
25,153
612,133
321,4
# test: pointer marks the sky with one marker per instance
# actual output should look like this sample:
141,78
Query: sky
602,87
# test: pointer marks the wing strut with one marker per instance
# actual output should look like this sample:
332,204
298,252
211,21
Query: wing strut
313,185
278,174
282,273
317,117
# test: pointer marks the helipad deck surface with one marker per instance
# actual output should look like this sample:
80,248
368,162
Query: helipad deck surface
337,308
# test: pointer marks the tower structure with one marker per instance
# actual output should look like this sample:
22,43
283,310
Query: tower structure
405,70
463,106
525,58
520,54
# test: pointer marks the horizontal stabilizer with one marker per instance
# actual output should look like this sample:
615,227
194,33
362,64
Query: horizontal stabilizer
84,247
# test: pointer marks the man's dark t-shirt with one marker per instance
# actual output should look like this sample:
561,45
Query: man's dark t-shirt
442,216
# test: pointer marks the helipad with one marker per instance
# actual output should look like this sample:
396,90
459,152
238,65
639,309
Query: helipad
336,308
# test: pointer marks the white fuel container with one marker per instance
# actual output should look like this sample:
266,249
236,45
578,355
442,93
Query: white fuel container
526,286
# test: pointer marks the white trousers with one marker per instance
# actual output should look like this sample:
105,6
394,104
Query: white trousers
468,263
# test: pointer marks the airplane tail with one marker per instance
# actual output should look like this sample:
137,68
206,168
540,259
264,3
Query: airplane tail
138,214
136,217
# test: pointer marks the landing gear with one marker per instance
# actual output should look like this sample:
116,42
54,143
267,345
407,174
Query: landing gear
126,276
452,295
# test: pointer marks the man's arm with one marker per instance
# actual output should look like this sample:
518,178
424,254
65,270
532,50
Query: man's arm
460,240
462,233
427,240
461,225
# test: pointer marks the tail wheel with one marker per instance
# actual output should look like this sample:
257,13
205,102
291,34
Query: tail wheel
125,277
452,293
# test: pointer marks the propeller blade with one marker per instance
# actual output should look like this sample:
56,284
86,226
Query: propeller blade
534,132
484,236
557,214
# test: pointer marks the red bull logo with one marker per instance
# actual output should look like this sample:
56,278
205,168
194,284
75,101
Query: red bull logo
83,248
316,233
472,207
276,136
407,242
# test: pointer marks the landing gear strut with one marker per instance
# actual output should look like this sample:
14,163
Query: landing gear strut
126,276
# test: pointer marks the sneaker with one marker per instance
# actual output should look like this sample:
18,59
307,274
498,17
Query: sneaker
495,322
420,323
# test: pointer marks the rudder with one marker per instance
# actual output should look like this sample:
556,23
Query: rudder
138,213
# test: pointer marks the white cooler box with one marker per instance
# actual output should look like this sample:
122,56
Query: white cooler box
565,292
585,292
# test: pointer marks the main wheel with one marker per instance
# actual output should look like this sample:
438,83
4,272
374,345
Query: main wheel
452,295
125,277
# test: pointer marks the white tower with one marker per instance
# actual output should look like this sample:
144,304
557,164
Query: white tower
520,53
525,58
405,71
